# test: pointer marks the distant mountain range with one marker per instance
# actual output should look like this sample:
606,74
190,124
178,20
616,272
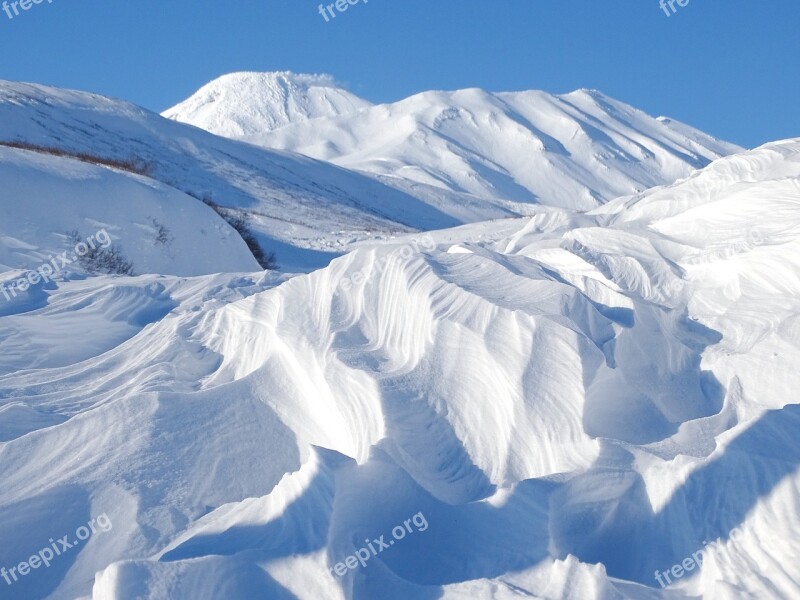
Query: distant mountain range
471,153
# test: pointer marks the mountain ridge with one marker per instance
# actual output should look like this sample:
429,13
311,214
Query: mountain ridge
507,149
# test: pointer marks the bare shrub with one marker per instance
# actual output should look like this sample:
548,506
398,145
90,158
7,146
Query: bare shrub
240,221
97,259
163,234
132,165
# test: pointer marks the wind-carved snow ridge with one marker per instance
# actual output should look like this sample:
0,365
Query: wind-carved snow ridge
484,375
574,402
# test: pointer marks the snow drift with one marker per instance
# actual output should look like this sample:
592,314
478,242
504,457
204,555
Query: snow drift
158,227
573,401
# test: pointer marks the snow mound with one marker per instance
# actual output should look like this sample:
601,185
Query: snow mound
157,227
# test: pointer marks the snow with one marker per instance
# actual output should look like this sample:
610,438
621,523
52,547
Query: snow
574,400
433,161
45,196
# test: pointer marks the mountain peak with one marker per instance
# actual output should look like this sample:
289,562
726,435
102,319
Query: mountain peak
272,78
243,103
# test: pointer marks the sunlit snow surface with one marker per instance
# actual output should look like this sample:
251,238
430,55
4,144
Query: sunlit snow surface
573,403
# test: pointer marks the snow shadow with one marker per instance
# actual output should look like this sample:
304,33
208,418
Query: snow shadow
605,515
31,526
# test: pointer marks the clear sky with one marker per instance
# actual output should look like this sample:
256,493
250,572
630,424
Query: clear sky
731,68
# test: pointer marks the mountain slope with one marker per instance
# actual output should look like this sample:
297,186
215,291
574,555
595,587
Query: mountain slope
306,211
575,151
556,406
157,227
508,150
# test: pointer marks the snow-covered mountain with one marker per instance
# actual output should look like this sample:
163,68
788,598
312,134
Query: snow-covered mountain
558,406
309,211
505,150
240,104
305,211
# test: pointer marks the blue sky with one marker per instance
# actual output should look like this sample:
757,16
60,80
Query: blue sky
730,68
